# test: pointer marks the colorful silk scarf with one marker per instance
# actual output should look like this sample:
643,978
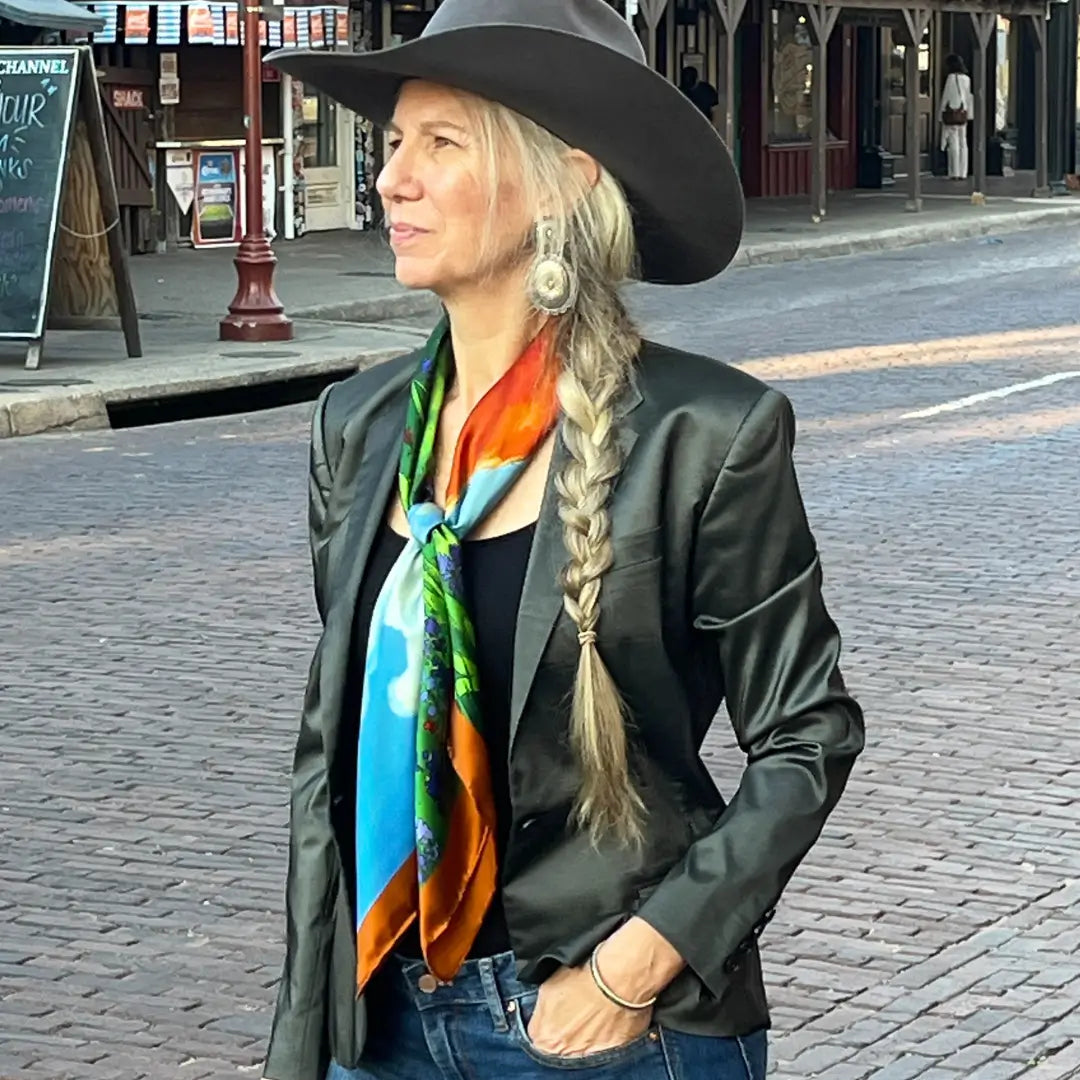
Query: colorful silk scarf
425,820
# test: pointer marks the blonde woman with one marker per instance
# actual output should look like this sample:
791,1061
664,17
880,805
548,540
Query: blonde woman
545,552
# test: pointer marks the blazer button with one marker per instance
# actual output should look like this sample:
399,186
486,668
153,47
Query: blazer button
731,965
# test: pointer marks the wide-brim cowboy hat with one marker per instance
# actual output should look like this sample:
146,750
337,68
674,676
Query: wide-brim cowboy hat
576,68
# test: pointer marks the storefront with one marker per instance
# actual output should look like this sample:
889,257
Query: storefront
176,70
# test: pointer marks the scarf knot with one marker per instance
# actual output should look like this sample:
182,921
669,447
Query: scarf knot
424,518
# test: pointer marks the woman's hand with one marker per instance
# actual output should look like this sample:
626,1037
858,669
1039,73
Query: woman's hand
573,1017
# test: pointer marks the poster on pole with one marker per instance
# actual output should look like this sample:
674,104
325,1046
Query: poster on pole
180,177
216,219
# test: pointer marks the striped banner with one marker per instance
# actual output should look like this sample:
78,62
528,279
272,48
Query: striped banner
110,13
168,24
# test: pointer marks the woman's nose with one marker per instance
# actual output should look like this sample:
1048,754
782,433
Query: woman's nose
396,180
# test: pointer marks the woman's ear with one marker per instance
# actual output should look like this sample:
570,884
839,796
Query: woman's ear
588,166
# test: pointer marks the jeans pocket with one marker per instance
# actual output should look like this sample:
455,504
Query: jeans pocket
647,1043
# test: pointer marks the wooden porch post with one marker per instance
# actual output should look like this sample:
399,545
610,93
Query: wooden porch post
822,23
916,20
653,10
984,23
731,13
1042,117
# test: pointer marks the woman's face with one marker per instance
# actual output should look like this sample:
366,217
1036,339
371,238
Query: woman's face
435,193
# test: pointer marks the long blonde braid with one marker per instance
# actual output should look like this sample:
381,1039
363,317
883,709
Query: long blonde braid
596,344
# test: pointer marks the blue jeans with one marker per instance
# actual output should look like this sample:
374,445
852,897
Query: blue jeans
475,1029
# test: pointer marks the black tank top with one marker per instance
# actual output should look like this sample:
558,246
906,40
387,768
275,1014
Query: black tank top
494,577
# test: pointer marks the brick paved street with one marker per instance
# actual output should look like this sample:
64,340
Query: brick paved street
156,622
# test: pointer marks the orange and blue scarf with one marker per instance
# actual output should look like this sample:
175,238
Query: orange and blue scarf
425,821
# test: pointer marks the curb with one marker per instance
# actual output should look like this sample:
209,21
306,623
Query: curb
88,411
380,309
780,251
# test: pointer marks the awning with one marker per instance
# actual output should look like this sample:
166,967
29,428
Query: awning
50,15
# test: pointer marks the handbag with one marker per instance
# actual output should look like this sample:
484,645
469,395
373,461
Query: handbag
953,117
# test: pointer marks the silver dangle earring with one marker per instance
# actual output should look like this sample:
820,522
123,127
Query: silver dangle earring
553,284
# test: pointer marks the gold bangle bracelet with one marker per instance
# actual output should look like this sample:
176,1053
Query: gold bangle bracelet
594,969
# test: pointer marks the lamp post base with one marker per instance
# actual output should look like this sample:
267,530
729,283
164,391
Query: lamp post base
255,314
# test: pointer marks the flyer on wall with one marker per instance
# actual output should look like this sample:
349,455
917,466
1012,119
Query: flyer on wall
216,219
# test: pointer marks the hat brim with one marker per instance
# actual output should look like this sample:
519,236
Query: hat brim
674,167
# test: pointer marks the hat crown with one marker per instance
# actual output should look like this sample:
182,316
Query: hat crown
594,20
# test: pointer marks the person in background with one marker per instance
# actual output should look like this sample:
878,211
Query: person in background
957,108
701,93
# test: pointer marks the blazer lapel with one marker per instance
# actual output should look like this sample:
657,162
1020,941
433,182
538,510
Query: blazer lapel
374,437
541,599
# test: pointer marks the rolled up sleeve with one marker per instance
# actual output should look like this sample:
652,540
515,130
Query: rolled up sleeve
757,595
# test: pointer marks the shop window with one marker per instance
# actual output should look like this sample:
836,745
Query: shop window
897,74
791,76
320,132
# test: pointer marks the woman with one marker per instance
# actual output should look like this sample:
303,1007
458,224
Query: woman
957,107
544,552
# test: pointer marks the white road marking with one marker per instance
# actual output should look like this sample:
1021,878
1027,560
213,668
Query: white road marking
991,395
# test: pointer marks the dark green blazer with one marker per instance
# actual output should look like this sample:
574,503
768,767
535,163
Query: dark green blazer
714,596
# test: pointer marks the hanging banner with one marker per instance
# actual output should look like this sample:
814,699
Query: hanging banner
318,33
136,25
200,24
264,33
274,35
288,29
303,36
218,14
341,28
168,24
107,34
217,199
232,26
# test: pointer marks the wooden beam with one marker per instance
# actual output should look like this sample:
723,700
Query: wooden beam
731,13
90,103
983,24
822,23
1042,108
1013,8
916,20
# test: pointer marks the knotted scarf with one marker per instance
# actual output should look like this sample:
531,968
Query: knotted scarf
425,819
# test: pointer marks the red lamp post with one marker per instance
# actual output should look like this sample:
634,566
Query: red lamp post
255,314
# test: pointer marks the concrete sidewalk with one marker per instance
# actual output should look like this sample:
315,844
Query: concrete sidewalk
339,287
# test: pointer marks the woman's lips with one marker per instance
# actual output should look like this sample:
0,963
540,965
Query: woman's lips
402,234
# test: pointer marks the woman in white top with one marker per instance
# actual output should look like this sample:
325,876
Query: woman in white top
957,108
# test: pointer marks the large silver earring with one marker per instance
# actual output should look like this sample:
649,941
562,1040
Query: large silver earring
553,284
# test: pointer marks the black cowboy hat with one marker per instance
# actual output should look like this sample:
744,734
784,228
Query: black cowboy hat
576,68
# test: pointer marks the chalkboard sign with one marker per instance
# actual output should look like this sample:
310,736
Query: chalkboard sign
37,99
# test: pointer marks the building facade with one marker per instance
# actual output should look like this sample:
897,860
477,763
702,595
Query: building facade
814,97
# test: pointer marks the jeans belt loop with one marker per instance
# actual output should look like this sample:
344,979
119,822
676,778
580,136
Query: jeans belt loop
491,994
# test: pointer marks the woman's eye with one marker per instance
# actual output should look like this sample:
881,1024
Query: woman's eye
442,141
393,144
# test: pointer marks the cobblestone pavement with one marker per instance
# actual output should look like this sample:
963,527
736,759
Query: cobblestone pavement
156,623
